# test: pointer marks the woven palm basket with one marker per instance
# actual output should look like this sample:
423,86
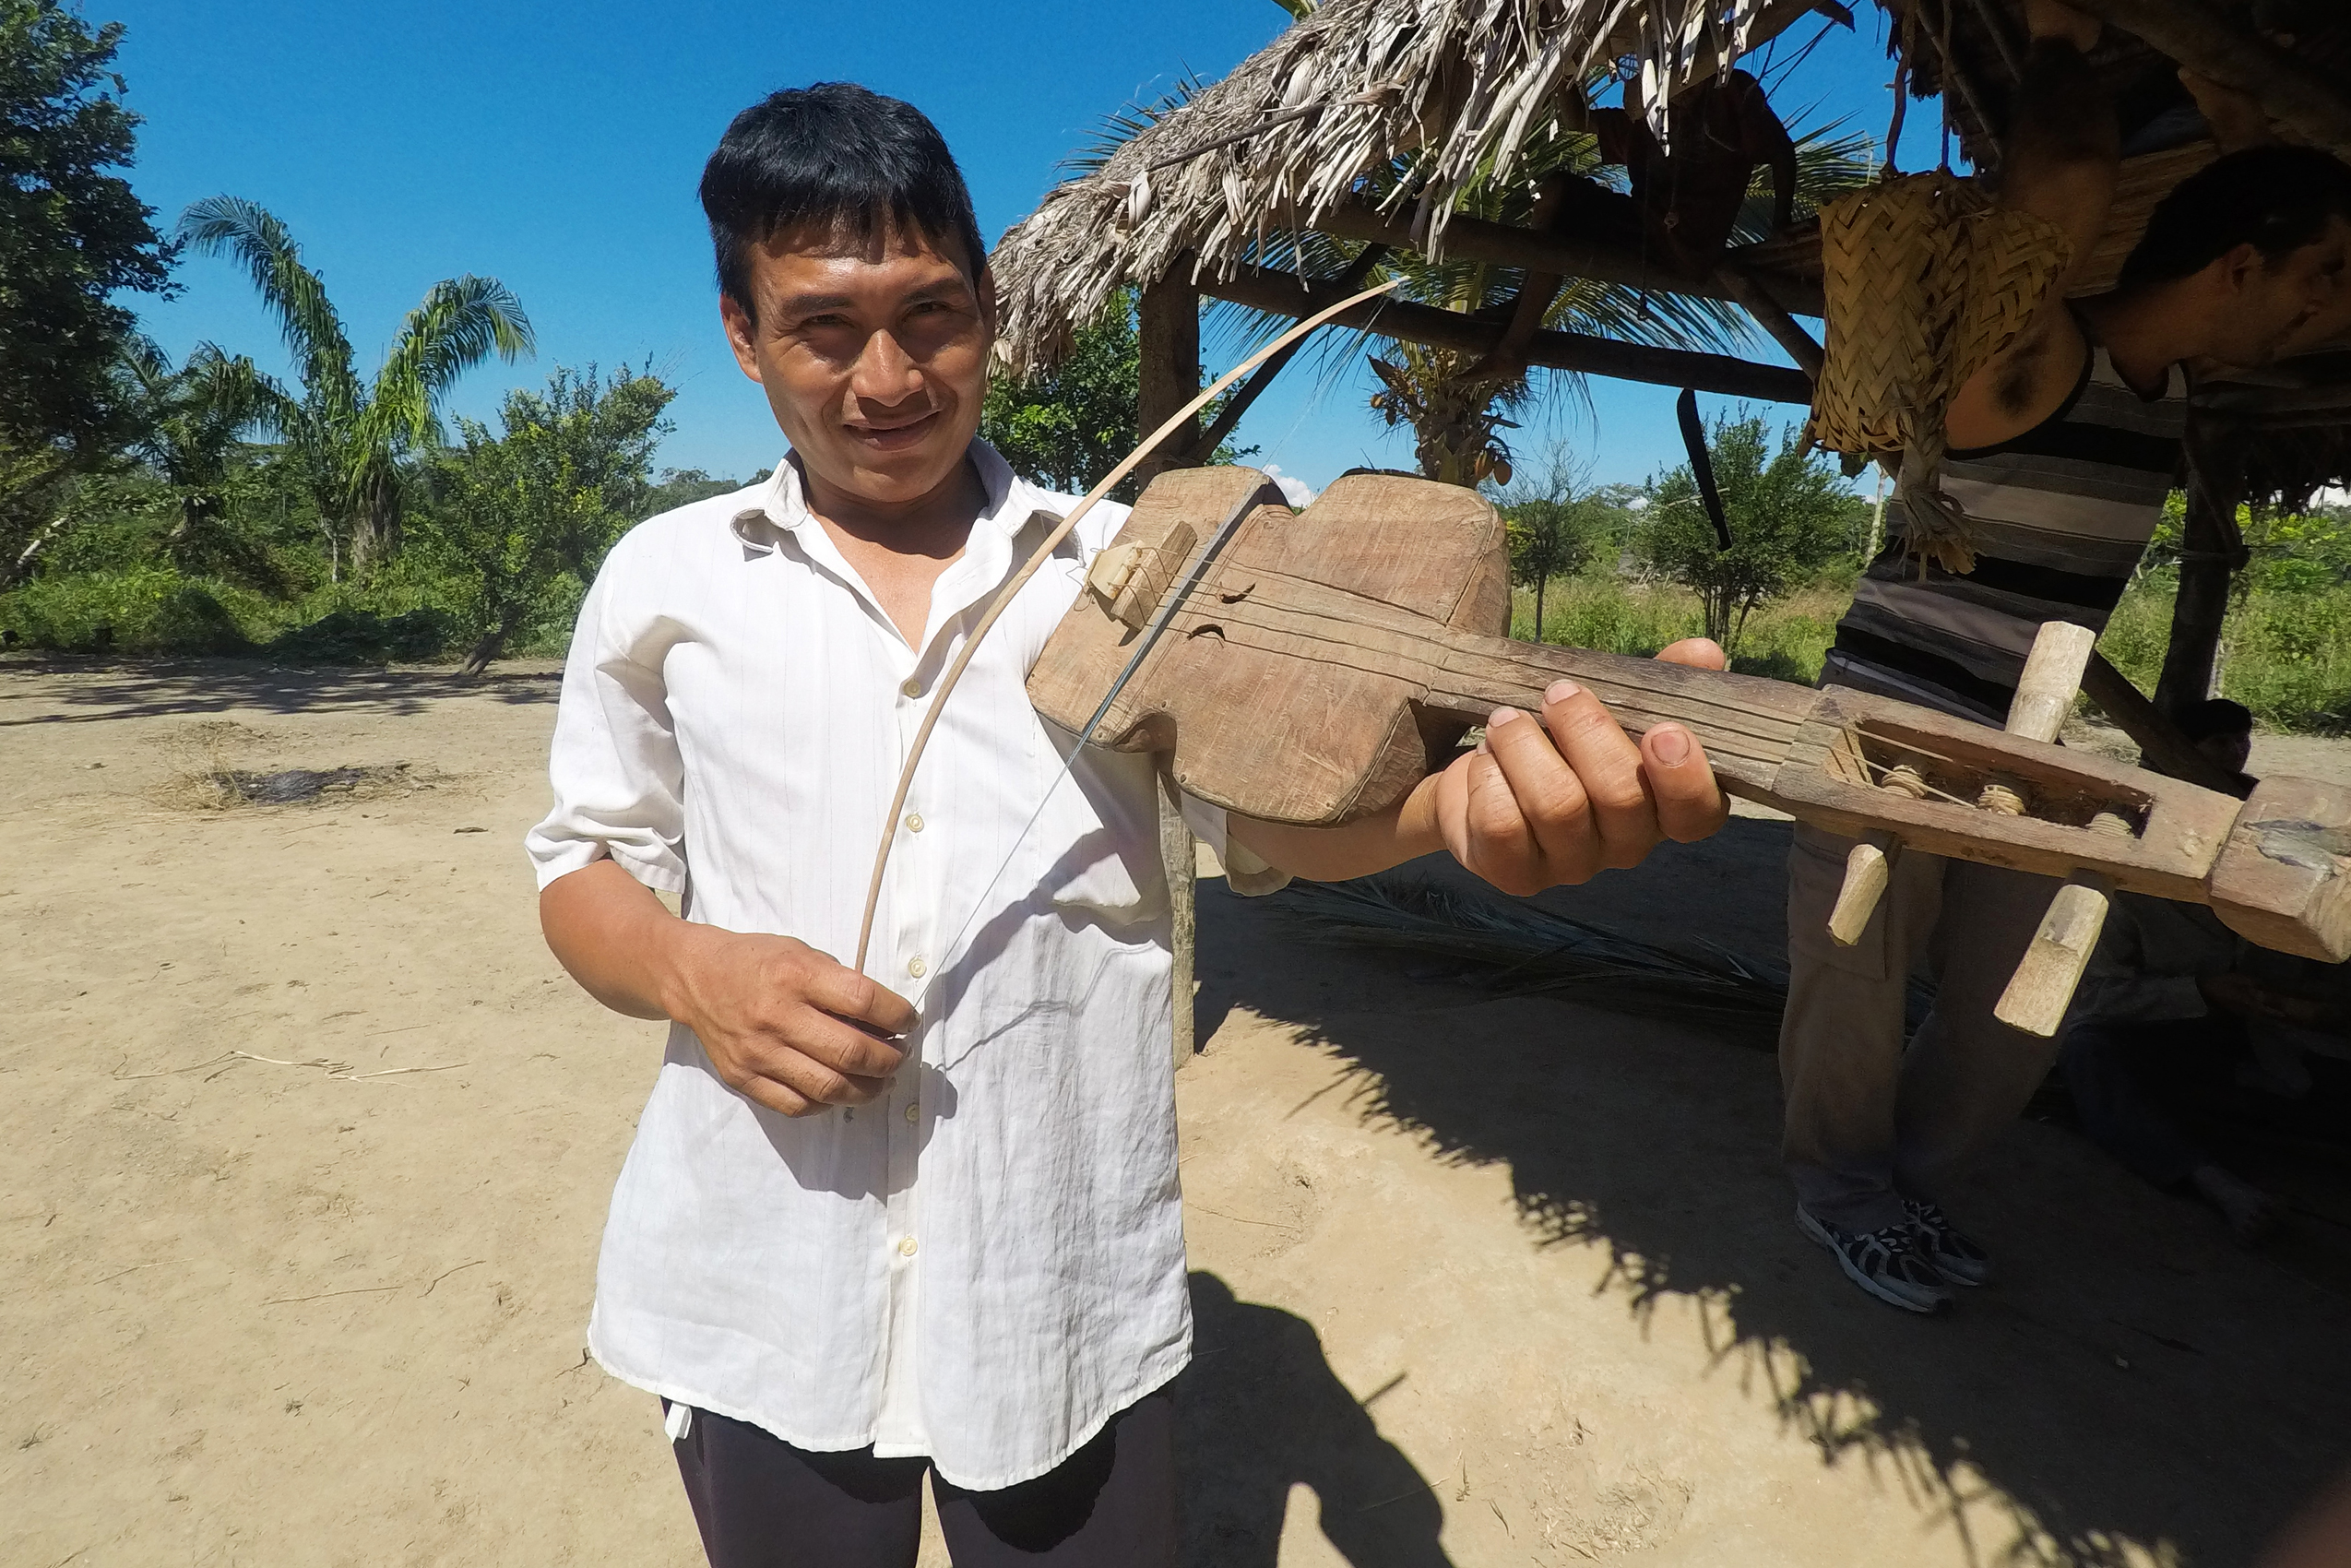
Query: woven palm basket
1926,281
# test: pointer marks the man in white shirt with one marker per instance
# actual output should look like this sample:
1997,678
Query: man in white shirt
869,1231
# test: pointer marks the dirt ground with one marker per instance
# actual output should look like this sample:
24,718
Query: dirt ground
1479,1279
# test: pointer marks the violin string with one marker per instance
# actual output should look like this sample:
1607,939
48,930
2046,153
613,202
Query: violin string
1929,788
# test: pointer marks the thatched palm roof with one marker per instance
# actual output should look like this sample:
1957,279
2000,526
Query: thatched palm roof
1290,140
1338,97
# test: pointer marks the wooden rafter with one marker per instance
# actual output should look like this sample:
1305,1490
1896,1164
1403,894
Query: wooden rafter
1282,293
1570,255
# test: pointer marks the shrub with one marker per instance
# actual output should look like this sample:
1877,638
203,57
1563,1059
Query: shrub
142,609
365,637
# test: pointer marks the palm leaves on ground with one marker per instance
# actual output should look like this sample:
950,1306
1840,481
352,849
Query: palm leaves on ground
353,439
198,417
1527,949
1530,949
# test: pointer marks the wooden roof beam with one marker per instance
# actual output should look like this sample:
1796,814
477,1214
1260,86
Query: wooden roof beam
2289,89
1281,293
1476,239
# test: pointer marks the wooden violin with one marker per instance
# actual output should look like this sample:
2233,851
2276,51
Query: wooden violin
1310,667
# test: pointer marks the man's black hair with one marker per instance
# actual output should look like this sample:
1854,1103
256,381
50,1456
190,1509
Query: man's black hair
2274,198
836,156
2216,715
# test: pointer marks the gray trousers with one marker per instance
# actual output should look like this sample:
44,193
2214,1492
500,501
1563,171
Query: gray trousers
1869,1123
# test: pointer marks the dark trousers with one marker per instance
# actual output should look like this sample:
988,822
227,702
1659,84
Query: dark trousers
761,1502
2144,1089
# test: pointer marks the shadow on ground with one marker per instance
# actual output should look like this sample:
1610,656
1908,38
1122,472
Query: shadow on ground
2130,1381
151,688
1259,1411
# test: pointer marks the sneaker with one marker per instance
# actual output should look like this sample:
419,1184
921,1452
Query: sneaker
1946,1248
1885,1262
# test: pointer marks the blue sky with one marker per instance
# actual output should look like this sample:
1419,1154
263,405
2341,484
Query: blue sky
557,147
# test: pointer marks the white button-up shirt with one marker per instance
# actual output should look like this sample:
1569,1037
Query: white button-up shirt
988,1264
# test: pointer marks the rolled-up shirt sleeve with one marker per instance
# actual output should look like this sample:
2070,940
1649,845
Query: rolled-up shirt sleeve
614,765
1244,873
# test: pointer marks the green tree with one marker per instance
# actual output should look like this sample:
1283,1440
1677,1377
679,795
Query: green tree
195,420
1069,427
1556,527
72,236
683,487
519,513
1788,513
354,440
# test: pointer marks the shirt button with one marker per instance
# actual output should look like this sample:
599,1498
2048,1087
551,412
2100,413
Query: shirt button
912,1112
912,688
914,822
906,1246
916,967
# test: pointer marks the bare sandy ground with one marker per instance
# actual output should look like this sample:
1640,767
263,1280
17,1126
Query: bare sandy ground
1480,1280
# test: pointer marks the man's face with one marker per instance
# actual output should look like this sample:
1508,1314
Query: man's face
874,358
2269,302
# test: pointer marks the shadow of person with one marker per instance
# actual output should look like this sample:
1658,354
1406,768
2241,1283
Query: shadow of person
1259,1412
2040,1421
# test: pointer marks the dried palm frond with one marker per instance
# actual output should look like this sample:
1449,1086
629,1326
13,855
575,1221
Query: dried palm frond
1407,103
1533,949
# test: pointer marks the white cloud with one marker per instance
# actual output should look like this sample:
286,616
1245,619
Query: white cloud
1296,490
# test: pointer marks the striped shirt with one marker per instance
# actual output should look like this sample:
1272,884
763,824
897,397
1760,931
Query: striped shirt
2061,516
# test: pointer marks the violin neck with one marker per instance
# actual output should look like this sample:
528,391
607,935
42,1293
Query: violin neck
1747,724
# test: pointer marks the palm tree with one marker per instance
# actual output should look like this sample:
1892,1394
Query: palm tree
352,439
197,420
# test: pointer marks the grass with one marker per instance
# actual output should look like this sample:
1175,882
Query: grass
2286,655
155,609
1787,640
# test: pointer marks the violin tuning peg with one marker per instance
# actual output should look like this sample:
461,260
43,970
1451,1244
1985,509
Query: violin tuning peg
2042,986
1869,867
2051,678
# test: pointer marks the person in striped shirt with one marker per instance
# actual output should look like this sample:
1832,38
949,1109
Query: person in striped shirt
2063,452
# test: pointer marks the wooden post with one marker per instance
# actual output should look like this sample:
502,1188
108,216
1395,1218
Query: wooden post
1169,344
2212,549
2162,746
1179,859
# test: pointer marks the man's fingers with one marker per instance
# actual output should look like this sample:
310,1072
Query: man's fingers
1698,653
1497,845
1689,804
791,1084
846,994
1549,803
776,1096
838,1044
1606,764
